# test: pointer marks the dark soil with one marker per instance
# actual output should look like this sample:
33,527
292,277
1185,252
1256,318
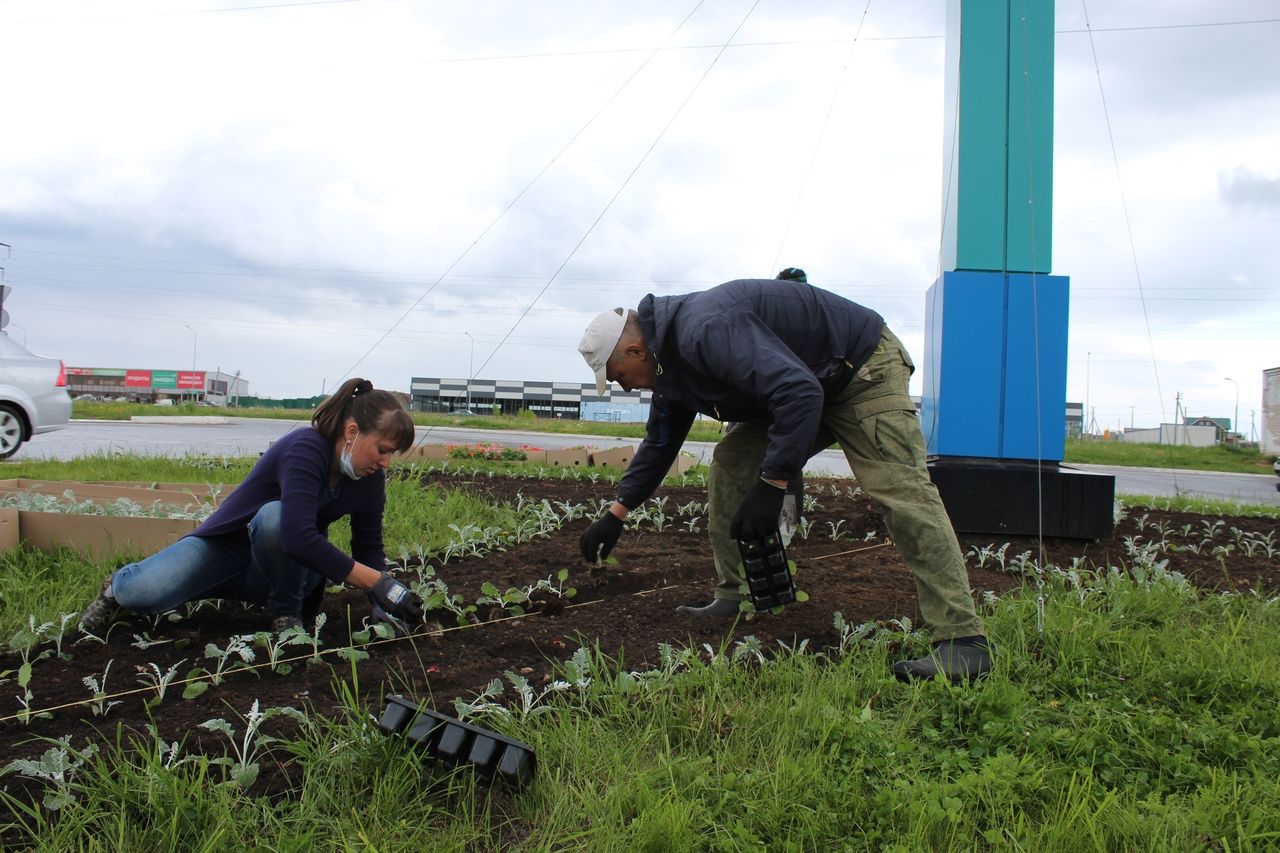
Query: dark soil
626,611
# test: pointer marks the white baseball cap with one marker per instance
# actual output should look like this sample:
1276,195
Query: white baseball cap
599,341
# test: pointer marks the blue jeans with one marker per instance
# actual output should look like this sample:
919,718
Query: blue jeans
250,568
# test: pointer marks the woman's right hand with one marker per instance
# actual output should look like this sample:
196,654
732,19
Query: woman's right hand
397,599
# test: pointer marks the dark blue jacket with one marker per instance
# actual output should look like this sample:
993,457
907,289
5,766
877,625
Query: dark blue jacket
746,350
295,471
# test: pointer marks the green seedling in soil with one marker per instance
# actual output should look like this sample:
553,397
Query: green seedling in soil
366,634
509,601
196,683
237,646
26,715
556,589
100,706
275,645
56,636
55,768
24,642
143,641
243,761
435,596
154,678
314,640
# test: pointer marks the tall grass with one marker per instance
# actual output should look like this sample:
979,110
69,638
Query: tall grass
1143,718
1239,460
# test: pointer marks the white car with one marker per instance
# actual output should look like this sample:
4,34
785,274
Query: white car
1275,466
33,395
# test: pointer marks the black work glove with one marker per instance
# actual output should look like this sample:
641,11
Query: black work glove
396,599
758,515
598,539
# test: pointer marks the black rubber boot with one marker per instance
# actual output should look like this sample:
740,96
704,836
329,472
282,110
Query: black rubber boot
959,660
719,608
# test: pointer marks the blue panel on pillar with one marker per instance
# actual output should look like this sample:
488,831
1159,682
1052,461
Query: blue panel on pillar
960,409
1035,390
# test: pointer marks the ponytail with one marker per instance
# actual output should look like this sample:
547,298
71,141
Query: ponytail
372,409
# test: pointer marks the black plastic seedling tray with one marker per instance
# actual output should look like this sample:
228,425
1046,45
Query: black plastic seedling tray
764,562
455,742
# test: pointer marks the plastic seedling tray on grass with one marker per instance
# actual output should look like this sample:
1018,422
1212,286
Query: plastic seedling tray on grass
769,580
455,742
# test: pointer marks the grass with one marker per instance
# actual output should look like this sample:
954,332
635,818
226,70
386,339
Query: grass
702,431
1237,460
1142,718
1203,506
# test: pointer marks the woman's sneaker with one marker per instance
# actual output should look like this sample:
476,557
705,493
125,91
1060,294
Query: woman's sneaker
284,622
101,612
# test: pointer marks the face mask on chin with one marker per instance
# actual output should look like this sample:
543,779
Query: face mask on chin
344,461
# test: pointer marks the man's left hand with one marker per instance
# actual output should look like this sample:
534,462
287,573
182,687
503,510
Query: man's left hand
758,515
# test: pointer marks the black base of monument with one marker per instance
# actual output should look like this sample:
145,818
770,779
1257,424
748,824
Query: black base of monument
1006,496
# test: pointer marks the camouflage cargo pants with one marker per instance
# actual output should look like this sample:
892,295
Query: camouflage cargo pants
875,423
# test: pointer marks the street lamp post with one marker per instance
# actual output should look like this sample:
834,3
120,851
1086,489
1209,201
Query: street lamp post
195,338
1235,421
471,366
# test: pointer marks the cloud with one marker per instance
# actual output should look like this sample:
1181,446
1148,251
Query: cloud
1245,189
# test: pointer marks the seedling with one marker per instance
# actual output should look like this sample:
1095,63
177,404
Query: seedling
24,642
153,677
55,767
144,641
57,637
275,644
510,601
100,706
237,646
26,714
244,766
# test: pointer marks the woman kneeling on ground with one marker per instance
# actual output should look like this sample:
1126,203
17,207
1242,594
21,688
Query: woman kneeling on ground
266,544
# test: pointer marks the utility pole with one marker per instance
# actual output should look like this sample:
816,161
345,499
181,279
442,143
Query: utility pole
470,368
1131,417
1088,358
195,339
1235,421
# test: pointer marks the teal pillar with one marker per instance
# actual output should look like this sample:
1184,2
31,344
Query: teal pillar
998,176
993,409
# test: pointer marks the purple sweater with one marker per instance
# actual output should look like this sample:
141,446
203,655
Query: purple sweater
295,471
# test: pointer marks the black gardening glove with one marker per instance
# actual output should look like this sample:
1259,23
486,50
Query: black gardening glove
598,539
396,599
758,515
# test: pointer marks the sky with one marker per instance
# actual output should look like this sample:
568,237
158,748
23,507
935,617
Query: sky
304,191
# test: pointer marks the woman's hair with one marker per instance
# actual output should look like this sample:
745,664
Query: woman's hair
373,410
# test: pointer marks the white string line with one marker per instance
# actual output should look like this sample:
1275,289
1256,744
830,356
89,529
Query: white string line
817,146
1035,311
626,181
1128,225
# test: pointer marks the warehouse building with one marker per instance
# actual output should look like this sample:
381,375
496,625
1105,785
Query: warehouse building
1271,410
151,386
566,400
569,400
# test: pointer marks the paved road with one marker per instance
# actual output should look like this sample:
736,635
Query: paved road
250,436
